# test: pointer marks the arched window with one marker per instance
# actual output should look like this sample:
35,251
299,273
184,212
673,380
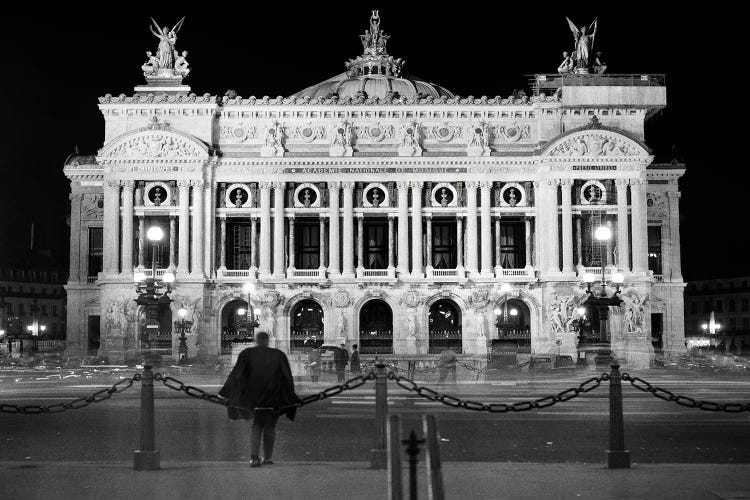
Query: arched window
307,326
234,323
444,327
512,320
376,328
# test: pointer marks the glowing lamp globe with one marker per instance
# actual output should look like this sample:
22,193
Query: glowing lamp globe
154,233
602,233
497,311
505,288
241,311
168,278
589,277
581,311
182,312
514,312
618,278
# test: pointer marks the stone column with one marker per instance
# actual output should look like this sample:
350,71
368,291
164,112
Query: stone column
111,258
253,242
278,229
675,257
403,228
623,251
471,228
183,257
498,249
141,242
553,262
360,244
417,270
127,228
579,245
485,188
265,229
567,227
428,240
640,228
292,252
333,229
348,232
209,227
74,271
527,243
223,243
322,239
198,235
390,244
139,194
172,242
460,245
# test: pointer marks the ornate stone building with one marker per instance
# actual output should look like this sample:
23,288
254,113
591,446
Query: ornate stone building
380,209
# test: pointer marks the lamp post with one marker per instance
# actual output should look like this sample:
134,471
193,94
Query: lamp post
503,322
602,301
183,327
152,292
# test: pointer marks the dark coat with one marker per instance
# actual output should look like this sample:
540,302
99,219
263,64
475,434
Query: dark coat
340,358
261,379
354,361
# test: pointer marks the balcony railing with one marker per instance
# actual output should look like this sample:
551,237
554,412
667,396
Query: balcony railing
516,274
374,274
149,272
596,271
306,274
236,273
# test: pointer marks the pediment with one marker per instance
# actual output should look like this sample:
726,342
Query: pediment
155,145
595,143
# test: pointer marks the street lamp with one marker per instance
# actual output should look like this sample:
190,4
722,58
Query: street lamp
183,327
153,293
503,322
602,301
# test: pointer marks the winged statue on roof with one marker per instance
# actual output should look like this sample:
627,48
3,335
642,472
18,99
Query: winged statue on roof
584,42
166,53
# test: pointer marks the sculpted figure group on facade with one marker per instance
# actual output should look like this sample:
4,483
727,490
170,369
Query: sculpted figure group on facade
580,60
168,61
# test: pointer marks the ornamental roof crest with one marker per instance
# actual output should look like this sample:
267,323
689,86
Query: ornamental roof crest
155,142
595,140
374,59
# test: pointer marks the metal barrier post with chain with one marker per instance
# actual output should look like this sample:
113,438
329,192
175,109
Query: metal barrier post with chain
147,457
395,480
379,454
617,456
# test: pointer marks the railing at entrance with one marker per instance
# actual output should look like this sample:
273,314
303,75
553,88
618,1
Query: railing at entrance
302,340
376,341
444,339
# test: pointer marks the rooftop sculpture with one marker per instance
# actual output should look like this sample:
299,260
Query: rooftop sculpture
168,66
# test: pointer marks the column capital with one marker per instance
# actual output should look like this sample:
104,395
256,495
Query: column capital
402,185
471,184
265,185
485,184
637,182
416,184
536,184
621,183
674,194
347,185
279,185
127,184
197,183
391,217
565,182
428,217
183,183
334,185
113,184
553,182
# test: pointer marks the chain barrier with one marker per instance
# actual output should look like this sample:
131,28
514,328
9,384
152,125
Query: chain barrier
561,397
688,402
75,404
195,392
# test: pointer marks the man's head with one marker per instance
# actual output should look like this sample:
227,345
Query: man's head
354,347
261,338
343,346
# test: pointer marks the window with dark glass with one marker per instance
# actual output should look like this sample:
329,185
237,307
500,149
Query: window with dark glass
719,306
731,306
512,241
96,250
654,249
732,324
307,243
706,307
746,323
745,305
375,245
443,244
240,245
694,308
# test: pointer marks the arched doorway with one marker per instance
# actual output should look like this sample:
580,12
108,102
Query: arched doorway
445,327
513,323
234,323
588,326
307,326
376,328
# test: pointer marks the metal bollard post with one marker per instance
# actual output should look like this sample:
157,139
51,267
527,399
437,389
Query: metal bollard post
412,449
379,454
147,457
434,473
395,486
617,456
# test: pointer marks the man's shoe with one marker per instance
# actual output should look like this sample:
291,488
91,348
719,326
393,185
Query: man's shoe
267,462
255,463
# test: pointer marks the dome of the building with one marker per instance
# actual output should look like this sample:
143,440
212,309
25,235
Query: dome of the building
374,74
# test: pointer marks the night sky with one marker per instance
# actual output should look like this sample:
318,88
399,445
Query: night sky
56,64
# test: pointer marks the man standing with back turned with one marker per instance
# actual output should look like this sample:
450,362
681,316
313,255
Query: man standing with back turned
261,384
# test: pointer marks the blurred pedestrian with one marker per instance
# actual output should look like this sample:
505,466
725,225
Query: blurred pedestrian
313,358
340,360
261,384
354,365
447,366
